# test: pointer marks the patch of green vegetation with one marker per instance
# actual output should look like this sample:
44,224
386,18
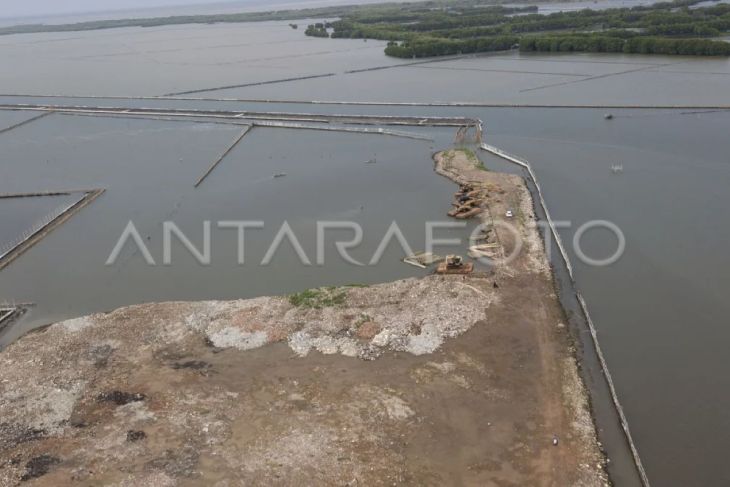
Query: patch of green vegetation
448,157
463,27
325,297
470,154
447,27
358,285
635,45
364,318
317,30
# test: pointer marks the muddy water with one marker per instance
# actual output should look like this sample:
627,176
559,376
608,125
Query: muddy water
149,169
660,310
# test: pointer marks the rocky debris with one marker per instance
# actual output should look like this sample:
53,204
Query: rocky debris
331,320
100,354
368,330
286,415
80,367
12,434
36,409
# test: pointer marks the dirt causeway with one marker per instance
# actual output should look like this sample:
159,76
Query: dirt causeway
444,380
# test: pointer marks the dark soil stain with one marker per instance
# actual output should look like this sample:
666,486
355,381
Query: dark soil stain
191,364
38,467
120,398
133,435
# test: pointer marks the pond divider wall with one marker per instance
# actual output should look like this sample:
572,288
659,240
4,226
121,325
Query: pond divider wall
43,227
223,156
25,122
255,83
9,313
259,123
379,131
465,104
265,117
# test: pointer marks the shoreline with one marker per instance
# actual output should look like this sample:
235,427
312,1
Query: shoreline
618,444
453,381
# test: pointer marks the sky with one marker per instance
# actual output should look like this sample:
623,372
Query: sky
45,10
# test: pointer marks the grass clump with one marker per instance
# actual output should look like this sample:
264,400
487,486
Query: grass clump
478,163
474,159
319,298
449,155
364,318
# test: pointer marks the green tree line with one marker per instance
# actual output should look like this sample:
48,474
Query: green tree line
663,28
634,45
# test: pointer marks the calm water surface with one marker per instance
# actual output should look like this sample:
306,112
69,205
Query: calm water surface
661,310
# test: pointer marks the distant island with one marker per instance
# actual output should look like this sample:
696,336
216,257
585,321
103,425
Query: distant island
447,27
332,12
414,31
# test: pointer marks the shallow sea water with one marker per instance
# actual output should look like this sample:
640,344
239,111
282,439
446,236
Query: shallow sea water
660,311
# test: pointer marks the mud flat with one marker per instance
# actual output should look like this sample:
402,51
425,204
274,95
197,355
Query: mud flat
443,380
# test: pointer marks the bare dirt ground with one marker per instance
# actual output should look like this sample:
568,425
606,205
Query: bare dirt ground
433,381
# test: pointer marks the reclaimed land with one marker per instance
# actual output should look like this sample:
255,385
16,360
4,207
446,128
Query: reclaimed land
442,380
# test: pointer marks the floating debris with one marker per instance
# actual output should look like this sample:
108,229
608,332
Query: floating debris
617,168
279,175
608,116
422,259
484,250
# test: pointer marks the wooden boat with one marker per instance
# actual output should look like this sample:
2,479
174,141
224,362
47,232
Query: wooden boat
468,214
